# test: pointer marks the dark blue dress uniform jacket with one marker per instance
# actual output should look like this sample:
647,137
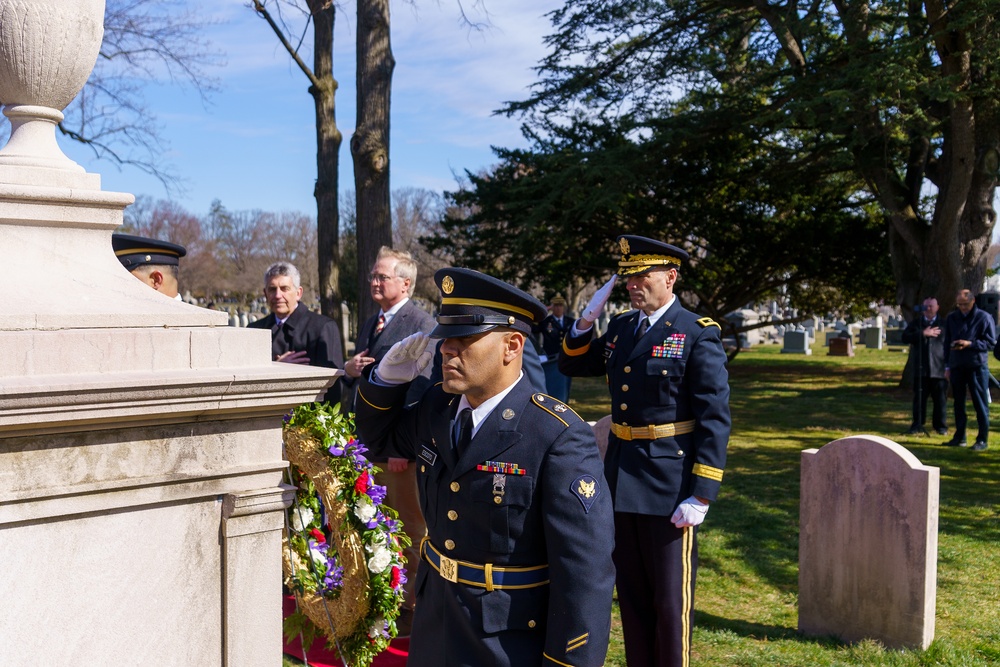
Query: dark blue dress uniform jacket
676,373
557,513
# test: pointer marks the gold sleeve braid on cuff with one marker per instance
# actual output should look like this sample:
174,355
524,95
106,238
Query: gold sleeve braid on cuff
708,472
377,407
549,657
575,352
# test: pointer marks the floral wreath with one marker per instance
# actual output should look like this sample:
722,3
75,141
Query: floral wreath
343,549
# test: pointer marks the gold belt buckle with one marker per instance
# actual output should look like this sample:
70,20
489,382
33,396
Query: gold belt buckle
449,569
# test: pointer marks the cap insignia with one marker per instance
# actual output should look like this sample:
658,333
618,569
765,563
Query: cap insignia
447,285
623,244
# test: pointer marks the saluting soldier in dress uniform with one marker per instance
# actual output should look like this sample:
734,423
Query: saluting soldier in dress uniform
666,371
516,569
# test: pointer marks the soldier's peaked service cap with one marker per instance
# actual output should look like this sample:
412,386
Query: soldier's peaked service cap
641,255
135,251
473,302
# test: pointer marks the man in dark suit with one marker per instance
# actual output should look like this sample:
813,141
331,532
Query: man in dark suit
517,565
927,355
392,279
550,335
666,371
298,336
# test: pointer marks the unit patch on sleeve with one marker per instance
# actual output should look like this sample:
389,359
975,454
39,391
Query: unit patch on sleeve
586,489
672,348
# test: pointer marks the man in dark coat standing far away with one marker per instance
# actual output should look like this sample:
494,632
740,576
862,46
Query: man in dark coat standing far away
516,569
969,335
666,370
925,337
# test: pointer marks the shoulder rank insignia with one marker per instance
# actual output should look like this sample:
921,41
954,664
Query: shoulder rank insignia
706,322
586,489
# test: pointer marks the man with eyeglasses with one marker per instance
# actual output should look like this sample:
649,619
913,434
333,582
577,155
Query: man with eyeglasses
392,279
298,336
969,335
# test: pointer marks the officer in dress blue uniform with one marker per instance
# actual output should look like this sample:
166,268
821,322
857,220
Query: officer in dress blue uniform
666,370
516,569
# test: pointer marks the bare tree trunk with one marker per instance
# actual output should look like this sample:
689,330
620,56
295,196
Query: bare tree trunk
370,143
328,139
323,88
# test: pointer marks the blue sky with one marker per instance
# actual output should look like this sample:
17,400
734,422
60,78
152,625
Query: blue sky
252,146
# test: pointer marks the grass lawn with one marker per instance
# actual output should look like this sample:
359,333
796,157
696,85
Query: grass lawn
746,603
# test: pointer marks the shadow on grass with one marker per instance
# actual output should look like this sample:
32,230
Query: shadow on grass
761,631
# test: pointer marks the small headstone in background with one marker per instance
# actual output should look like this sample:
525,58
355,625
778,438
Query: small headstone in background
841,346
796,342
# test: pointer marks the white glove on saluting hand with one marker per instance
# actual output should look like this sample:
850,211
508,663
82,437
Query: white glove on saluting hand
405,360
691,512
596,304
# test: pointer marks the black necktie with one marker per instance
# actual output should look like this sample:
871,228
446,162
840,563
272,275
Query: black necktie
278,343
464,431
641,329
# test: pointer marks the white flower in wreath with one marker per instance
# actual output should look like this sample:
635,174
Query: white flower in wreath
380,560
302,516
376,628
364,509
318,554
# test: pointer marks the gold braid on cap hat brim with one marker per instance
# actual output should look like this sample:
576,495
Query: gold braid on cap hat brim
640,263
494,305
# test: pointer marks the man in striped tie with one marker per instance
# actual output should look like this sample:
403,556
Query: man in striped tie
392,279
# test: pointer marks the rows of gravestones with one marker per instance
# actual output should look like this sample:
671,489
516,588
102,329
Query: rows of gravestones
882,330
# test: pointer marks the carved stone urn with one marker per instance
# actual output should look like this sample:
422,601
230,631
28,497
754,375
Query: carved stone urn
47,50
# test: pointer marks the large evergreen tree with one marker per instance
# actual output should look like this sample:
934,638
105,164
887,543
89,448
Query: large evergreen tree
900,97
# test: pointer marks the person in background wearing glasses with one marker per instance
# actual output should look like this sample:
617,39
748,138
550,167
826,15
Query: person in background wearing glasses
969,335
392,279
298,336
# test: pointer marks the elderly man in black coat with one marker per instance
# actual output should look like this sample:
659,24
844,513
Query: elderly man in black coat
298,336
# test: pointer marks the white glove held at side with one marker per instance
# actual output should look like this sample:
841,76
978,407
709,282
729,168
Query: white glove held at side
690,512
405,360
596,304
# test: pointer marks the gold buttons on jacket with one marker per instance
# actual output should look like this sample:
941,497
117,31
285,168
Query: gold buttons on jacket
449,544
627,369
453,515
423,468
680,452
624,387
531,624
623,406
663,372
455,486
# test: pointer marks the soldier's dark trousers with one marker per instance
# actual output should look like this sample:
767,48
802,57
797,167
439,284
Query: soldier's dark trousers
656,564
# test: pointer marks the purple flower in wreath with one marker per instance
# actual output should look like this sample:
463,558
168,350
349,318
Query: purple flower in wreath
376,520
333,580
337,451
376,493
